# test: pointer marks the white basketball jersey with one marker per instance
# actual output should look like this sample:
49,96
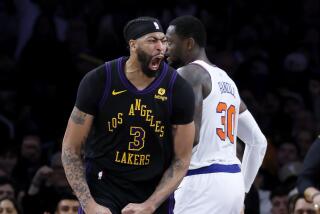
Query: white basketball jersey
218,131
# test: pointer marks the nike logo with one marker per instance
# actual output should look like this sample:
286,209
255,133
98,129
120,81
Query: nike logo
114,92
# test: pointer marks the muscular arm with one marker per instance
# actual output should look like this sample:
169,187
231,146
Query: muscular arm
200,82
76,133
172,177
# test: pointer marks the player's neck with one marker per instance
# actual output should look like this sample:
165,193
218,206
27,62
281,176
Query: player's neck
198,54
135,75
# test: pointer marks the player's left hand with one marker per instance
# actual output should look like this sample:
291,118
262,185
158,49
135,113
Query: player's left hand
142,208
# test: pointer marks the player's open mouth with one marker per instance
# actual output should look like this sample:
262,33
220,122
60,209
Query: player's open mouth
155,62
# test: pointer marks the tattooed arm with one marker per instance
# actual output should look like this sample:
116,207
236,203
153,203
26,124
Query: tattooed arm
79,125
183,141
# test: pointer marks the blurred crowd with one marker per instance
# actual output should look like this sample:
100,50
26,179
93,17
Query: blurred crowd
270,48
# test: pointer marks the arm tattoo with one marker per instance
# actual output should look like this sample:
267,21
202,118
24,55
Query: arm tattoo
75,174
169,174
78,116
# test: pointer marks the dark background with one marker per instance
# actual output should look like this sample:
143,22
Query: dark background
270,48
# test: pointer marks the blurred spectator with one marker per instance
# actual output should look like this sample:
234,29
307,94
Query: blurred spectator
288,174
9,206
6,188
279,201
8,158
263,187
287,152
45,70
28,12
68,204
309,179
48,185
298,205
304,140
29,161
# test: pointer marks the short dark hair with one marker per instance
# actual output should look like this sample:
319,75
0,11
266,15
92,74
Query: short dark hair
5,180
190,26
278,191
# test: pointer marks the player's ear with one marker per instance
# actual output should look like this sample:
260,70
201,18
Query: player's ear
190,43
132,44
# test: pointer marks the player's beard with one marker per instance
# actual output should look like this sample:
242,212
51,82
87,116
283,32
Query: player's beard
175,61
145,60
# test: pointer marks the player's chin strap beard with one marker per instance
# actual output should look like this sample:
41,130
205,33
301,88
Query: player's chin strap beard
150,73
144,63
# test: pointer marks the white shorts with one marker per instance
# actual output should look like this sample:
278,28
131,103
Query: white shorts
213,192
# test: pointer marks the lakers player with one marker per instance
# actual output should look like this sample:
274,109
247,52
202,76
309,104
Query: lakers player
216,181
123,116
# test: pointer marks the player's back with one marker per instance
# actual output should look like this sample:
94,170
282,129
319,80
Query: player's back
218,131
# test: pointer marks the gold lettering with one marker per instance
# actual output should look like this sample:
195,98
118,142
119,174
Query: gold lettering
114,122
138,104
142,157
161,131
136,157
130,158
131,111
148,115
120,115
124,159
157,129
151,122
117,157
147,159
143,111
109,127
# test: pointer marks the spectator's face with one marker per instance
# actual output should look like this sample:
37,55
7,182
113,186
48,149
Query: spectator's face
8,161
176,47
7,207
6,191
287,153
67,206
31,148
303,207
279,205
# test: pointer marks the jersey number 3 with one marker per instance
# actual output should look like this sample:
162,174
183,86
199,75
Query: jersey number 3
228,118
138,135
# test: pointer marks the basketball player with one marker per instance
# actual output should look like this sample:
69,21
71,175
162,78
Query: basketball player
214,182
124,114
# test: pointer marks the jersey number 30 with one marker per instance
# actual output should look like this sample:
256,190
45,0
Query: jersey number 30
228,119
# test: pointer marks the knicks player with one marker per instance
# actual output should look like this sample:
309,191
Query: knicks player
216,181
124,117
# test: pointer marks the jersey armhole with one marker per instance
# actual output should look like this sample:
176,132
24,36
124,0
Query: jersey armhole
107,84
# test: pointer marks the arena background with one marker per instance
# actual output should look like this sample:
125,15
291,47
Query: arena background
270,48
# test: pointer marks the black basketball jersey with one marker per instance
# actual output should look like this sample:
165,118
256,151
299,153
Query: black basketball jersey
131,136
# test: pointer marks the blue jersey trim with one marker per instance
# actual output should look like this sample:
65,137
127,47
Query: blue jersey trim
234,168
